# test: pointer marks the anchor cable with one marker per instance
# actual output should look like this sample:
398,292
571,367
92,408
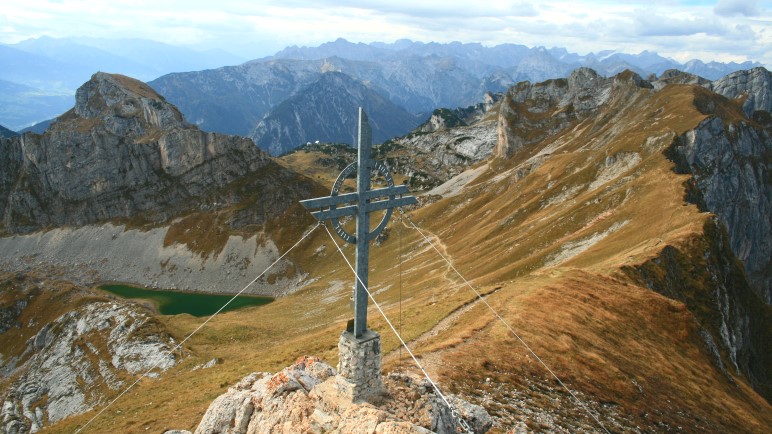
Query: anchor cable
453,411
586,409
198,328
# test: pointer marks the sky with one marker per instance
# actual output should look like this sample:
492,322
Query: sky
720,30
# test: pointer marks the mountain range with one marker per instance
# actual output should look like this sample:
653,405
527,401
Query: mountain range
42,74
619,224
326,110
39,76
415,76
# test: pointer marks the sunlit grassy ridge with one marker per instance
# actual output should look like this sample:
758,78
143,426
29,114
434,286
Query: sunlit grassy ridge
556,238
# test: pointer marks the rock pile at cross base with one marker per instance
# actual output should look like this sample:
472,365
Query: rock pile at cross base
304,398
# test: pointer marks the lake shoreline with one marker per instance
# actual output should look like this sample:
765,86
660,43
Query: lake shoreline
175,302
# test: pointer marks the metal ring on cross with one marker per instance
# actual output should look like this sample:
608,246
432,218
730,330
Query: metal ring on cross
351,168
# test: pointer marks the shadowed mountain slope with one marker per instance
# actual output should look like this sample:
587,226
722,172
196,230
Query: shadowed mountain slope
326,110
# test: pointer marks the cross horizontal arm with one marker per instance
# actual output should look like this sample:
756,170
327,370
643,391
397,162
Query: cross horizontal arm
322,202
335,213
370,207
390,203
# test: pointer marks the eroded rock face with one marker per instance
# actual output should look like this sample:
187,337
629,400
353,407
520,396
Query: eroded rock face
532,112
754,84
70,361
304,398
732,174
122,150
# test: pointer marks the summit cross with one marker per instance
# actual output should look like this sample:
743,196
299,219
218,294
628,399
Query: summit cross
360,204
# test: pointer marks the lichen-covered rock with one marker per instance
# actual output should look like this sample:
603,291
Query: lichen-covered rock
68,361
305,398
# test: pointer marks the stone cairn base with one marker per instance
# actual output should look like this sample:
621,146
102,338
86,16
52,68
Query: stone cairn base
359,365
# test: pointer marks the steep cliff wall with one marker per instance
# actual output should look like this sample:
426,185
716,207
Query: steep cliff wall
705,275
120,152
731,166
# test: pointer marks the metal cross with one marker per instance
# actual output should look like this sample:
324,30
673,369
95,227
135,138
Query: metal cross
364,202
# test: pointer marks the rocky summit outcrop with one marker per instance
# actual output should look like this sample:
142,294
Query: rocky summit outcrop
304,398
121,151
755,85
532,112
445,145
75,362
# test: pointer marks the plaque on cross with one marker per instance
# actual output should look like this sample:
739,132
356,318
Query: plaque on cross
360,204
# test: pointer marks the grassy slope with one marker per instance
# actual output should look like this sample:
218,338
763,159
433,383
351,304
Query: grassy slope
633,354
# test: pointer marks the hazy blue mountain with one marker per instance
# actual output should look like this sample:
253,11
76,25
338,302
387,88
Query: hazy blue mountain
22,106
715,70
46,71
163,58
39,127
326,111
533,64
539,65
338,48
36,70
140,58
234,99
5,132
79,61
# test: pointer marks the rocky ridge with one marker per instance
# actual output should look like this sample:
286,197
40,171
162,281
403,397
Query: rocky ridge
726,155
754,85
304,398
123,151
75,362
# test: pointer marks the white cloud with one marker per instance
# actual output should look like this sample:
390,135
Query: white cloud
728,8
255,29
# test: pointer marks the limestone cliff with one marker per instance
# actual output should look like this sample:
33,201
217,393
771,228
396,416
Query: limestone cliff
532,112
74,361
753,85
732,174
121,152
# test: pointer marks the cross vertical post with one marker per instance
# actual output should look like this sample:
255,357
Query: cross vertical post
363,224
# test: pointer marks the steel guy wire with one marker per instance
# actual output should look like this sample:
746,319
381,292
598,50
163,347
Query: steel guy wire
179,345
453,411
586,409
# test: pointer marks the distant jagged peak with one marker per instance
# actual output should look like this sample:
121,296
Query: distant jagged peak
114,95
675,76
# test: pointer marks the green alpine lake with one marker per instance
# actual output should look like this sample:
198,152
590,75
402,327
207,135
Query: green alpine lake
177,302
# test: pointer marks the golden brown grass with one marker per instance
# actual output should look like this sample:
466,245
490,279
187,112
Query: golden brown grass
630,353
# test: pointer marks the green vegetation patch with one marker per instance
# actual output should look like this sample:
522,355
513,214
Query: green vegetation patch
176,302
